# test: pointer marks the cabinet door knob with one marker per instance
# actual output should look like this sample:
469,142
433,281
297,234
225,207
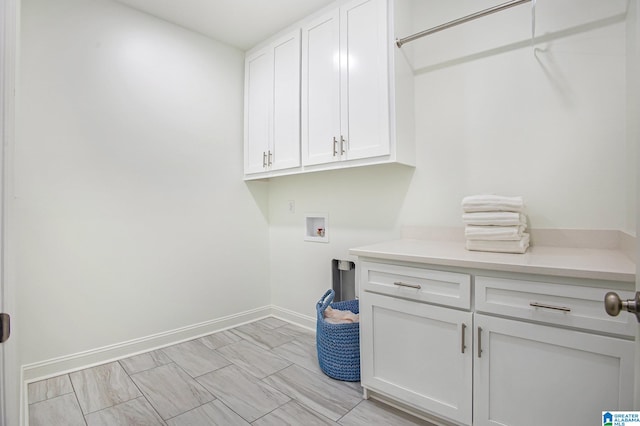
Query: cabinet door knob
479,342
342,141
269,161
613,304
264,159
335,146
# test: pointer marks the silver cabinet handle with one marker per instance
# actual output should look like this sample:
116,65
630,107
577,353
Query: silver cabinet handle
335,146
463,346
479,342
270,162
264,159
342,141
401,284
555,308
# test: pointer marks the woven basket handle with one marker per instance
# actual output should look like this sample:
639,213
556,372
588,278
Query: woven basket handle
325,301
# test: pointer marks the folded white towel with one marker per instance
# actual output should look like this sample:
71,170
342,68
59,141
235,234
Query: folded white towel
490,203
473,232
494,218
520,246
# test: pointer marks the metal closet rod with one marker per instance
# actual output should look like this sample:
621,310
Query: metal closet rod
489,11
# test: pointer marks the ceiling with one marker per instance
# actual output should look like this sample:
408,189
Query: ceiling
240,23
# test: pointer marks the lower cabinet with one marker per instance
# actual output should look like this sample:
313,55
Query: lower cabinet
530,375
418,353
471,367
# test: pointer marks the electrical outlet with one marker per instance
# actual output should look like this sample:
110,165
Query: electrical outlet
292,206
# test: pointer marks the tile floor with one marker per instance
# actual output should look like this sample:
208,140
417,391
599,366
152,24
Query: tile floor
263,373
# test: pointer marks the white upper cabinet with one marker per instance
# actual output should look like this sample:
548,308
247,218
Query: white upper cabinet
256,115
328,98
321,89
272,106
345,84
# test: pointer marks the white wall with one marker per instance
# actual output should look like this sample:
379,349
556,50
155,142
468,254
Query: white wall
493,114
364,207
131,216
496,114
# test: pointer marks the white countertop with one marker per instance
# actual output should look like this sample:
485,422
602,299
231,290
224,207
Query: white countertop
601,264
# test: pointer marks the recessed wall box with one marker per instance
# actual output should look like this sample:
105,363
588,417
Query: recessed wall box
317,227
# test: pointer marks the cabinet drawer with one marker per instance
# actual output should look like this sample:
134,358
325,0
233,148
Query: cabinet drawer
426,285
560,304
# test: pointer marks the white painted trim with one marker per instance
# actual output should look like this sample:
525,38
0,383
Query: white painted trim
81,360
293,317
9,25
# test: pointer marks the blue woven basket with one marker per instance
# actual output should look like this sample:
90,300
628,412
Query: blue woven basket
338,344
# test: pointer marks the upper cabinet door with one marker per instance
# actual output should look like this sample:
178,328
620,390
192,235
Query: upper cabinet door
285,146
364,79
345,85
321,89
258,99
272,106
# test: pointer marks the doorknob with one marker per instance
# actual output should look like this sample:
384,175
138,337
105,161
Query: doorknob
5,327
613,304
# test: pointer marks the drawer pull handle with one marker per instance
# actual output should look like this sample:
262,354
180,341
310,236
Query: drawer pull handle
401,284
463,346
555,308
479,342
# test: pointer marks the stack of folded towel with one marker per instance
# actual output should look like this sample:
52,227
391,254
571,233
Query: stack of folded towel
495,223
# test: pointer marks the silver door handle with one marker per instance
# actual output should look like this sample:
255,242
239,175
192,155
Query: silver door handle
335,146
613,304
479,342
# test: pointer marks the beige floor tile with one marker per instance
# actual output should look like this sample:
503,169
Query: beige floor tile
212,414
370,412
293,414
145,361
49,388
195,358
170,390
220,339
136,412
103,386
59,411
242,392
254,359
331,398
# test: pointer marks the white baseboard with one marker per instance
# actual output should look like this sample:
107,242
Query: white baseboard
293,317
79,361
